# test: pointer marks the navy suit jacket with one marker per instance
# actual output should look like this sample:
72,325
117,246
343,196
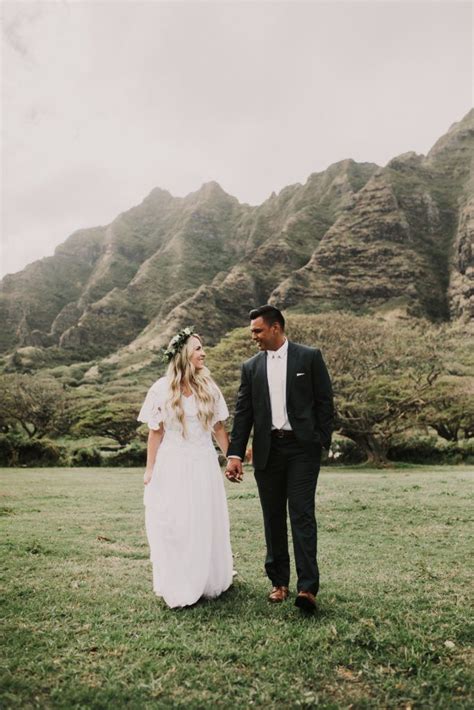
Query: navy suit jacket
309,403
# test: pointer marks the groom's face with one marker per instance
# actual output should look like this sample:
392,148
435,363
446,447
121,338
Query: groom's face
266,337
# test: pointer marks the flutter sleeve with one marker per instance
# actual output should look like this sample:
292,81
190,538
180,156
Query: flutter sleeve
220,412
151,412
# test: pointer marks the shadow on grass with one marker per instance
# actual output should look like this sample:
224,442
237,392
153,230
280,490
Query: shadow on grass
243,598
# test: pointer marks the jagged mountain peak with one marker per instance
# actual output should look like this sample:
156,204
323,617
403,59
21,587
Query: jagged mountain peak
158,194
209,191
340,166
466,121
406,160
456,136
211,187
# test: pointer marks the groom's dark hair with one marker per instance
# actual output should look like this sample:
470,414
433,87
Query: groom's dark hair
270,315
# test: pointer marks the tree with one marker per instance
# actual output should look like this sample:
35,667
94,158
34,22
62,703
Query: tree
449,409
38,404
382,371
117,420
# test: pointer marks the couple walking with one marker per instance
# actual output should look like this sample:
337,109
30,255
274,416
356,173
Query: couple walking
285,395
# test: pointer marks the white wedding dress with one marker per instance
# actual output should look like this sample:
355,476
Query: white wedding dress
186,517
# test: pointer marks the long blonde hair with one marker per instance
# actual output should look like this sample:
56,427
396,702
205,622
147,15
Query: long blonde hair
181,374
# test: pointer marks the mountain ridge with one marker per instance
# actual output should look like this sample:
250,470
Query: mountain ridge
356,237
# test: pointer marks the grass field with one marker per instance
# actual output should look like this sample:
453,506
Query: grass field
82,628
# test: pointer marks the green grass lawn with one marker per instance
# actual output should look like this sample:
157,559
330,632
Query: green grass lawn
82,628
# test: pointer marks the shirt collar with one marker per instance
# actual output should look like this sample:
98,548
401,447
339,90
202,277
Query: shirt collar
280,353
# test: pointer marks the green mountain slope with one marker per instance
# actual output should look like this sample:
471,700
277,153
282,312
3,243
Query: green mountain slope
393,246
355,237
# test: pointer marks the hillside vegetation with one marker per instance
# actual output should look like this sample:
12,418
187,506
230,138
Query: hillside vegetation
403,391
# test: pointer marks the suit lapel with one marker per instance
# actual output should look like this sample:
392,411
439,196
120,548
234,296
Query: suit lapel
262,373
291,367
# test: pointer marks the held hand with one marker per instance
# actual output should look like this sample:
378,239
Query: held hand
147,477
234,471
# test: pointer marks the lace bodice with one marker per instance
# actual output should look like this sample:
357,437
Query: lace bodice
155,410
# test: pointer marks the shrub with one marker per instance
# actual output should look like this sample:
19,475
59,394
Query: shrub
86,457
132,455
343,451
7,450
16,451
429,450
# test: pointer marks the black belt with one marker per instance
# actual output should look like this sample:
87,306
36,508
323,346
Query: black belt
283,434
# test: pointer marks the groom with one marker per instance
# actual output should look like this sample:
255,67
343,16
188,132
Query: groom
285,394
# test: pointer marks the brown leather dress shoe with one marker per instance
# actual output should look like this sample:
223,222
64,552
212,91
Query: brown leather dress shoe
278,594
306,601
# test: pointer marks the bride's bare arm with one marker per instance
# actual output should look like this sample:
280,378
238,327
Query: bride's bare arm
154,440
221,436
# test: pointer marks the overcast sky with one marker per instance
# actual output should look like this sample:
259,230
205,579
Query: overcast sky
103,101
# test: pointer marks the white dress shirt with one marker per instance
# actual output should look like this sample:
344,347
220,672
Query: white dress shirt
276,376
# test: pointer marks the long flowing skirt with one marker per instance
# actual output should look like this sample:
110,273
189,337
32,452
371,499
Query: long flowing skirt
187,524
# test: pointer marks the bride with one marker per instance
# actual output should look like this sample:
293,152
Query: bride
186,518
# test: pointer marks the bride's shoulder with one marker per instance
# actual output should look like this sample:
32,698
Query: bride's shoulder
160,386
216,390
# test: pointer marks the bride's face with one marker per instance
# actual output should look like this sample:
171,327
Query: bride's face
197,353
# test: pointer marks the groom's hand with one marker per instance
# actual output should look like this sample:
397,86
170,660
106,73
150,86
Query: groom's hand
234,471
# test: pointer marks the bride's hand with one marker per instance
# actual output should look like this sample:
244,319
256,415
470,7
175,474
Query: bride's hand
147,477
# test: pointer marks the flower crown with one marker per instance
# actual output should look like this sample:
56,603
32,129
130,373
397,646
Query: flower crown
177,343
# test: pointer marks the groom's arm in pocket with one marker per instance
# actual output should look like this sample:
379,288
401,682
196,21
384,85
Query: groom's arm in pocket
243,417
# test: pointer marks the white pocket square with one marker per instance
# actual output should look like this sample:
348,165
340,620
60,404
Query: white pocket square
300,374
